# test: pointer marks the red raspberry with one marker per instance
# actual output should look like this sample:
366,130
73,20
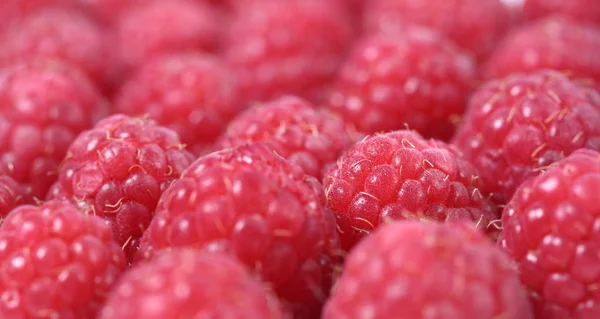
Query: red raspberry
306,136
579,9
118,170
191,93
106,11
64,34
187,283
551,228
556,42
287,47
519,125
400,175
416,78
43,106
156,27
56,262
428,270
474,24
12,194
261,208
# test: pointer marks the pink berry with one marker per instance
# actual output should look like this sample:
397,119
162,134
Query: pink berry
56,262
118,170
264,210
428,270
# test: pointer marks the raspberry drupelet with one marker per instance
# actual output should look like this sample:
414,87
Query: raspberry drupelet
551,229
517,126
56,262
287,47
415,78
155,27
400,175
118,170
44,104
190,284
266,211
194,94
428,270
476,25
556,42
294,129
64,34
12,194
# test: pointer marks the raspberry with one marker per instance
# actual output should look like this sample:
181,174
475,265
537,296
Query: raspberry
118,170
519,125
475,25
287,47
56,262
12,194
191,93
157,27
551,229
428,270
261,208
43,106
291,126
588,10
416,78
106,11
400,175
556,42
189,284
58,33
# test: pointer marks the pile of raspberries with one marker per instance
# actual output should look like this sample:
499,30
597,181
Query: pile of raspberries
299,159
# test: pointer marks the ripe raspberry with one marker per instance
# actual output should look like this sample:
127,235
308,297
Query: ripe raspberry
588,10
157,27
428,270
287,47
556,42
519,125
191,93
551,229
56,262
261,208
400,175
187,283
306,136
43,106
106,11
118,170
417,78
58,33
475,25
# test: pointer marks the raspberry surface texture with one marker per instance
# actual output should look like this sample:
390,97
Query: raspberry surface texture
551,229
557,42
190,284
192,93
475,25
61,34
579,9
157,27
118,170
287,47
297,131
517,126
43,106
400,175
416,78
264,210
56,262
12,194
428,270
